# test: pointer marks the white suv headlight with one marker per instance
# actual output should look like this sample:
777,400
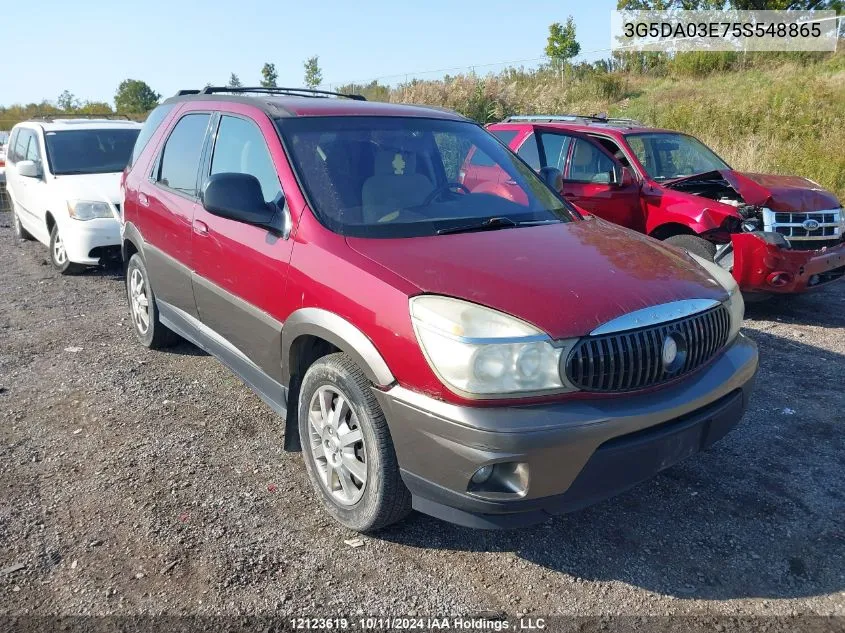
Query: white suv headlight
89,209
735,303
480,351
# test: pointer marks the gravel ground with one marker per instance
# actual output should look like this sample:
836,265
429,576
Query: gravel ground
138,482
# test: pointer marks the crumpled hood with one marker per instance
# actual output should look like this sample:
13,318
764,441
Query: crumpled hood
99,187
566,278
779,193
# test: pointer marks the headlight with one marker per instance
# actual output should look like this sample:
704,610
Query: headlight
89,209
735,303
480,351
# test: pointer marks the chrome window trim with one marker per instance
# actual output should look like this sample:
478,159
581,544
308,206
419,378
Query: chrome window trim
655,315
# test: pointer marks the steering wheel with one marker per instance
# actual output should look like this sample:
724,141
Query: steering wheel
443,189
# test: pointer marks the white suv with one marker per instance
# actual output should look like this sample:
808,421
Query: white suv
63,178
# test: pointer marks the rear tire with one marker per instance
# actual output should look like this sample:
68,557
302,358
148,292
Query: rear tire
143,309
347,448
58,255
20,232
695,245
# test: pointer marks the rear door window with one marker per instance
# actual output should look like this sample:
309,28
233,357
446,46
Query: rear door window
179,165
240,148
506,136
150,126
10,147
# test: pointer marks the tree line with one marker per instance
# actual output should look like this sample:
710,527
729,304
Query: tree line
135,97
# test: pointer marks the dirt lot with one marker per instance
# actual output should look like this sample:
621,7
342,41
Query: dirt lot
139,482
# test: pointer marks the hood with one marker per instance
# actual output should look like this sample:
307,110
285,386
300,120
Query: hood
100,187
779,193
566,279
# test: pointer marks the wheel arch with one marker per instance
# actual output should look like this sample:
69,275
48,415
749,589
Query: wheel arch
310,333
670,229
131,243
340,333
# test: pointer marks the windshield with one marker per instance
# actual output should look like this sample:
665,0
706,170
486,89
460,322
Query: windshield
407,176
89,151
665,155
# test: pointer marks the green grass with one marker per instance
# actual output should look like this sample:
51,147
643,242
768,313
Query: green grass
777,116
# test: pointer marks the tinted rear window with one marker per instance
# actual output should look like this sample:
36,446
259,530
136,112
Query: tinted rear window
88,151
150,126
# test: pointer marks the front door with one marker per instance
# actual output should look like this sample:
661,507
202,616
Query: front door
240,270
594,181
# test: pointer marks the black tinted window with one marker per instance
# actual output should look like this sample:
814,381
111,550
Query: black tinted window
150,126
240,148
101,151
506,136
181,156
529,153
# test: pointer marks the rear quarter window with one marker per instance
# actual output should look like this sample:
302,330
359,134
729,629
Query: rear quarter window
150,126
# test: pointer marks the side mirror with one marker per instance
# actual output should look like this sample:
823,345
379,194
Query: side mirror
626,178
29,169
237,197
553,177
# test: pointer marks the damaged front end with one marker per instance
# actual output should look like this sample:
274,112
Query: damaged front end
784,238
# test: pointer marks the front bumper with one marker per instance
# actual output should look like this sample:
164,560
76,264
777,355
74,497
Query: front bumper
576,452
760,266
89,241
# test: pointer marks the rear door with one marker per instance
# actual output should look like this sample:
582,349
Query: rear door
240,270
25,191
167,201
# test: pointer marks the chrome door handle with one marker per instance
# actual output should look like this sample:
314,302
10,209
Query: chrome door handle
143,200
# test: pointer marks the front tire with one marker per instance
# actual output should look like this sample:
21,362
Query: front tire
58,255
143,308
347,448
695,245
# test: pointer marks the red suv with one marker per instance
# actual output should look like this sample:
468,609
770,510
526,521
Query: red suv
486,361
777,234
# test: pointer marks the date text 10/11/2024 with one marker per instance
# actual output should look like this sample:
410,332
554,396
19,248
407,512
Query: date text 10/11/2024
409,623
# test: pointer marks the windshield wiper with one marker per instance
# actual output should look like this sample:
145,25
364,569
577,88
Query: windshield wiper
490,224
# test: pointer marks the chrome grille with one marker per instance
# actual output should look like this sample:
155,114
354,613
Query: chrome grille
825,224
630,360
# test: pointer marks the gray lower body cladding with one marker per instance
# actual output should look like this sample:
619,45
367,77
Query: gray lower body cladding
575,453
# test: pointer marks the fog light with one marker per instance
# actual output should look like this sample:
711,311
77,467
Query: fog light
482,474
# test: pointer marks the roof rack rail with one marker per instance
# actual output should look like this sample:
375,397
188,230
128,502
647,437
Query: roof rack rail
296,92
78,115
571,118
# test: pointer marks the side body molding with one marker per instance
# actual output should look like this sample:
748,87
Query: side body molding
340,333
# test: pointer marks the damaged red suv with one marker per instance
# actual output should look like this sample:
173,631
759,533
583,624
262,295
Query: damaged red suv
486,361
777,234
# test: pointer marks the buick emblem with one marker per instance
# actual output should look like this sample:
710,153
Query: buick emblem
670,351
810,224
674,352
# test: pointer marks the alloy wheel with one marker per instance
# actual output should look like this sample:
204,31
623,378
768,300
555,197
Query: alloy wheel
59,252
139,301
337,445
